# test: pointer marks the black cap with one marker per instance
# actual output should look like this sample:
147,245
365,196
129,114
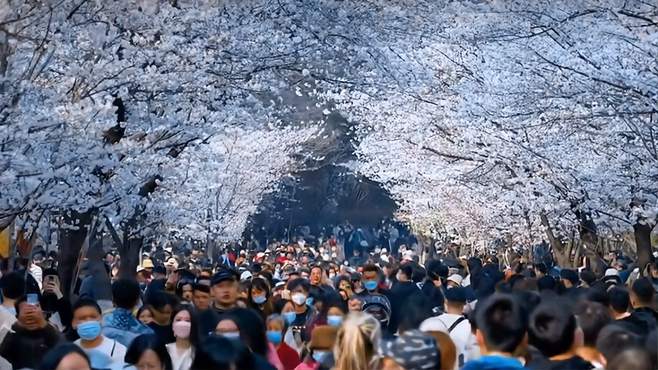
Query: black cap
456,294
223,275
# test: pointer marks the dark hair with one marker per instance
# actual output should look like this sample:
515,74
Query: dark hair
261,284
416,309
370,268
342,278
219,353
588,277
159,299
294,284
598,295
552,328
631,359
13,285
643,290
181,284
502,322
195,333
546,283
614,339
125,293
407,270
142,309
202,288
144,343
619,299
592,317
252,329
86,302
52,359
541,267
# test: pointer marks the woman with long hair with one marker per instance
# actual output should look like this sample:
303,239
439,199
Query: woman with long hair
253,334
357,343
185,325
147,352
260,297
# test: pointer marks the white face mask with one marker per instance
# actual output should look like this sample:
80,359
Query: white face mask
299,298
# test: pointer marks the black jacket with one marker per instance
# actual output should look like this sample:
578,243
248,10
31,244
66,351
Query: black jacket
399,296
26,348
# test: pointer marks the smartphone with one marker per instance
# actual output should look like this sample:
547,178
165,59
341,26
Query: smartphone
32,299
50,279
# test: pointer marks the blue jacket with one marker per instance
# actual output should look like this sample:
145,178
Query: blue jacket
123,327
493,363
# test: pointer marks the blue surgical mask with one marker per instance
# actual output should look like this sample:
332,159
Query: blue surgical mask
259,299
320,356
334,320
231,335
370,285
89,330
309,301
289,317
274,336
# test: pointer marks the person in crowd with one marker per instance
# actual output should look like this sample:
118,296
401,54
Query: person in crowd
185,328
161,305
433,286
413,350
373,298
252,331
87,319
613,339
220,353
335,313
260,296
643,298
276,327
318,353
305,315
13,288
31,335
620,305
401,292
592,317
120,324
318,278
501,333
224,291
201,297
554,331
148,352
185,291
452,321
145,315
65,356
56,307
632,359
357,342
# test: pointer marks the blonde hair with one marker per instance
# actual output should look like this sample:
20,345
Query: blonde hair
357,342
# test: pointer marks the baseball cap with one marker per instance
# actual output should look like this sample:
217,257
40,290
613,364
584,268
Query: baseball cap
246,275
147,263
223,275
456,278
413,350
456,294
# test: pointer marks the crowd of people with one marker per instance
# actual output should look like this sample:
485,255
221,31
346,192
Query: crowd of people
299,307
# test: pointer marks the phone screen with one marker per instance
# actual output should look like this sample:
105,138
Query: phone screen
32,299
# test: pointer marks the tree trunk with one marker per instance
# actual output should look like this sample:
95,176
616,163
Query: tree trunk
129,253
70,242
643,244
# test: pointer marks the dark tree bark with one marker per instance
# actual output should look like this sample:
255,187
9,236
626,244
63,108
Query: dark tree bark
643,243
70,242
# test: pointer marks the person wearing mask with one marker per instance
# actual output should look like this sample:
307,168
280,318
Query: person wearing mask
335,313
87,323
224,292
357,342
319,356
148,352
161,305
260,296
64,357
452,321
252,331
185,329
276,327
500,333
120,324
554,331
305,314
374,301
32,336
